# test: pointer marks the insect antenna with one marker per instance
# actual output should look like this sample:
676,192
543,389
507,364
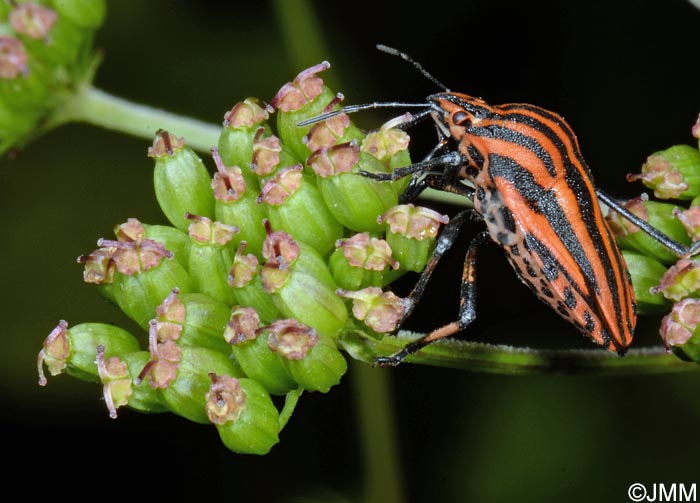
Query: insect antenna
416,64
366,106
392,104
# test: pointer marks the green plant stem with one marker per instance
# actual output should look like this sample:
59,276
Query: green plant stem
377,431
500,359
290,403
99,108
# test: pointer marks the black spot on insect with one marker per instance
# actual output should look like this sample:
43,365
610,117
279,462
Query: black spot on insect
515,250
569,298
480,193
546,291
508,220
590,323
503,238
471,171
562,309
460,118
475,156
531,271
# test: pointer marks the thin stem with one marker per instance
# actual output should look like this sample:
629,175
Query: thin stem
102,109
500,359
290,403
376,427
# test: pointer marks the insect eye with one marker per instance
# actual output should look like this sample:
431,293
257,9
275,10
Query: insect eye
459,118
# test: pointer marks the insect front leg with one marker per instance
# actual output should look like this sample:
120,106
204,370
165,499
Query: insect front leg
437,181
467,300
449,159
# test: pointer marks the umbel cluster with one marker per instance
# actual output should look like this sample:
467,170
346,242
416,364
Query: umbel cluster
245,297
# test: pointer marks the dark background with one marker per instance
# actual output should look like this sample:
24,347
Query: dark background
625,76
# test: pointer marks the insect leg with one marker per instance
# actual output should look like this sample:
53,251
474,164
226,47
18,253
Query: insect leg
449,159
436,181
674,246
467,302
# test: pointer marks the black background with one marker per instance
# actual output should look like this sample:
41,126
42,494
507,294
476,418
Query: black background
625,76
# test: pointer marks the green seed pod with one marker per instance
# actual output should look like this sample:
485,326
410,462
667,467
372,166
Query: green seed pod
211,258
673,173
243,413
380,311
269,156
5,8
236,205
241,126
192,319
256,359
246,281
32,20
99,269
354,200
690,219
680,330
292,198
174,240
390,146
313,360
180,374
301,285
118,374
360,261
681,280
75,349
145,275
14,124
411,234
24,85
646,274
659,215
333,131
303,98
84,13
54,40
182,182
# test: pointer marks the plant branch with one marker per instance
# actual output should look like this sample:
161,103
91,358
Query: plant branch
99,108
500,359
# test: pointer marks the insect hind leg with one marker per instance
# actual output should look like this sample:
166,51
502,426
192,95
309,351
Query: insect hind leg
467,301
674,246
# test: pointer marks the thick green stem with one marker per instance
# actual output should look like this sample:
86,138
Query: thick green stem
499,359
99,108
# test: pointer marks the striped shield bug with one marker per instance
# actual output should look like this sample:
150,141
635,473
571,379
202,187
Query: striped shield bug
523,170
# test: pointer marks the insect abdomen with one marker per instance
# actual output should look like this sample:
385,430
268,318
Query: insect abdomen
538,200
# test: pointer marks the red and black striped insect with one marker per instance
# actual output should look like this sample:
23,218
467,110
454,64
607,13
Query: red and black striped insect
531,186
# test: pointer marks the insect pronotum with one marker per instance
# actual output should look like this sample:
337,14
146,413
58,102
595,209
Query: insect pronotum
531,186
